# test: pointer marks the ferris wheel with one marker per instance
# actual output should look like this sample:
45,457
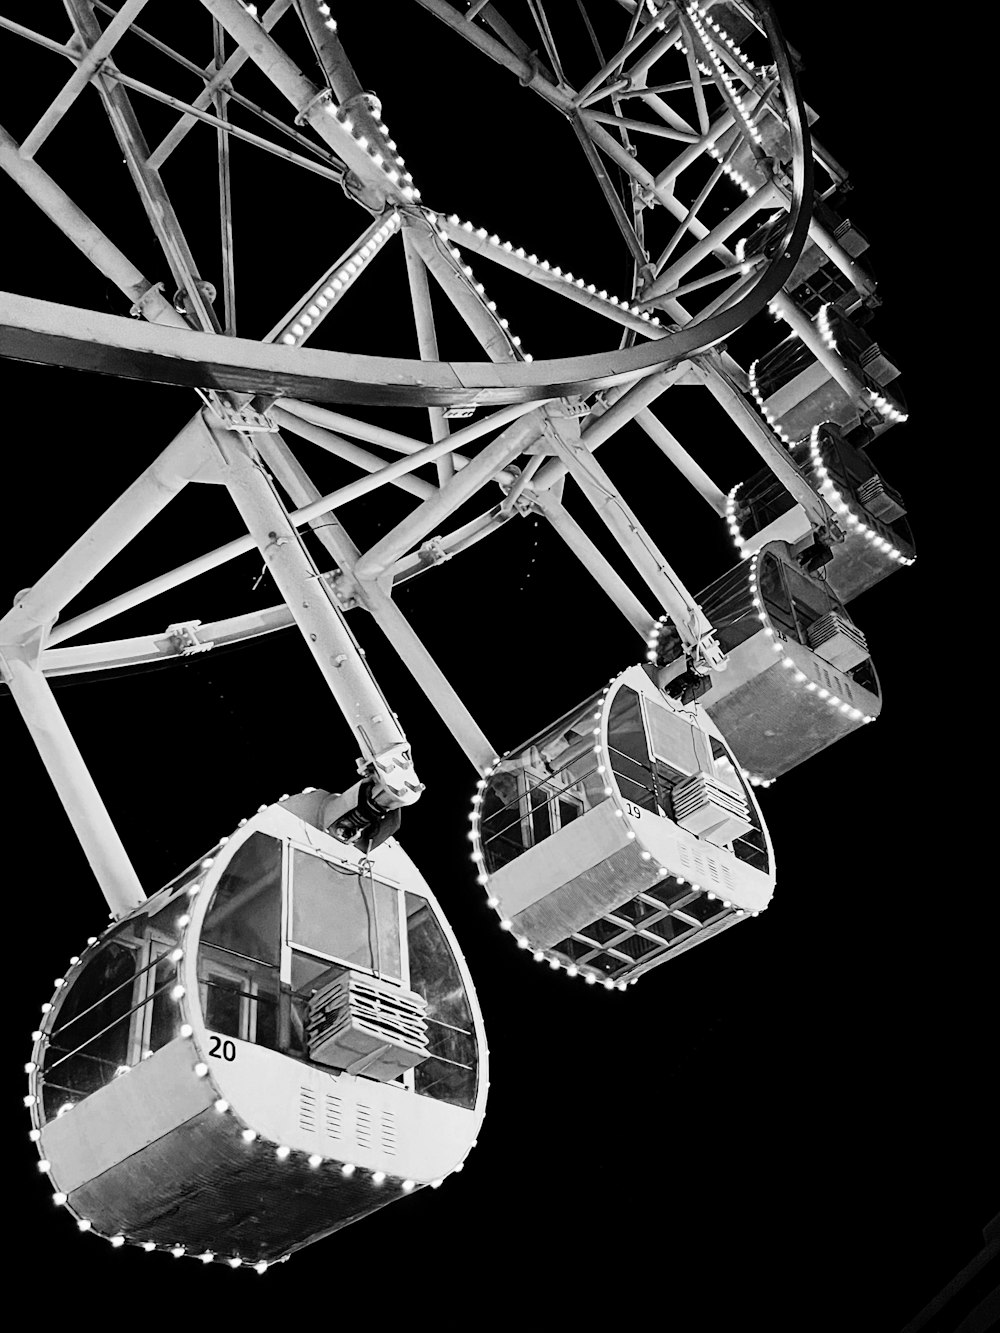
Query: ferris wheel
292,1015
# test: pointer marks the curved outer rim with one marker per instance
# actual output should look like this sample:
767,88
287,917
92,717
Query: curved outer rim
213,361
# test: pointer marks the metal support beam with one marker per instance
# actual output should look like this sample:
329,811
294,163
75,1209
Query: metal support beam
682,460
150,188
482,323
308,597
351,453
595,562
71,778
439,691
90,62
598,429
478,473
222,554
644,555
85,234
423,317
110,534
220,77
711,373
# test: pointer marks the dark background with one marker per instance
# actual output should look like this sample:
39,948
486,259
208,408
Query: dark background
787,1127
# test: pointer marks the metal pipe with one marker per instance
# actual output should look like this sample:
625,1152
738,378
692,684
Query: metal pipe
681,459
217,76
803,326
90,62
742,213
71,778
308,597
423,318
483,325
643,554
597,429
438,689
110,534
480,471
222,554
595,562
351,453
56,204
774,454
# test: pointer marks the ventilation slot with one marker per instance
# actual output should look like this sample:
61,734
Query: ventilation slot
389,1133
307,1110
363,1126
334,1115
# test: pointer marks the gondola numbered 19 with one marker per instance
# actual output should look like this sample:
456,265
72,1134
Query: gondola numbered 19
621,836
279,1042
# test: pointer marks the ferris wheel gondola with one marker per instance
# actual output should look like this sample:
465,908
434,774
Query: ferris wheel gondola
621,836
869,511
800,674
280,1041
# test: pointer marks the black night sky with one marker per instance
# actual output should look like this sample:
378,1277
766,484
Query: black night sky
784,1128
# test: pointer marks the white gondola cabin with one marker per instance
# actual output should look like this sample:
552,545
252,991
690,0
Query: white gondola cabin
871,514
622,835
799,676
279,1042
796,391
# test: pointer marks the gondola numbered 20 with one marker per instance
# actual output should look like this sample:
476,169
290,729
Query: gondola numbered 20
621,836
279,1042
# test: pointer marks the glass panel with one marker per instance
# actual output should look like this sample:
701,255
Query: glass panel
449,1076
601,931
673,738
609,964
573,948
636,946
344,915
668,892
90,1043
541,818
775,595
636,910
670,928
245,913
703,908
568,810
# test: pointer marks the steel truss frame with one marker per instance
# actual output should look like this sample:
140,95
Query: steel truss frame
251,389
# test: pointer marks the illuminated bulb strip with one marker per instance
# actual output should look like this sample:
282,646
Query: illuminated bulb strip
623,306
735,176
839,505
886,408
799,676
757,70
823,326
393,167
723,73
731,523
768,416
318,305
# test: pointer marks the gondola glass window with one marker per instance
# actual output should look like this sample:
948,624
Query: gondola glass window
541,788
241,945
118,1010
449,1073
